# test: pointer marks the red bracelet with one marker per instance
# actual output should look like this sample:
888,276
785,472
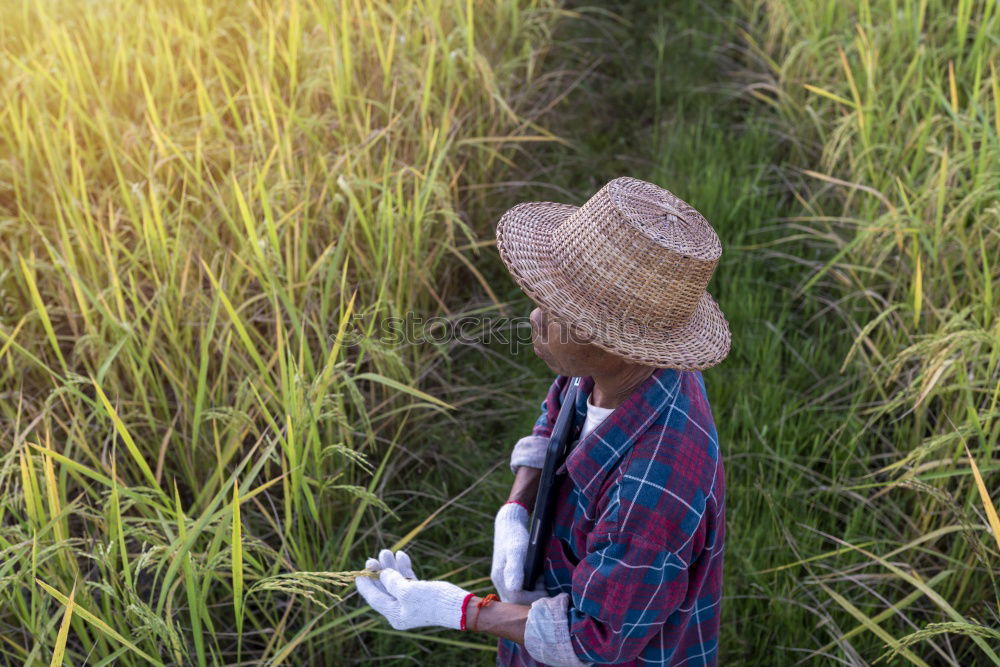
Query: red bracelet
519,503
461,623
492,597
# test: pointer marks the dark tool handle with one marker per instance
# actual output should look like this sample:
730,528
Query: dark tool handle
541,518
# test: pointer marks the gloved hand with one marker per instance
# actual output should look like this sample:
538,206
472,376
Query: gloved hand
510,546
407,602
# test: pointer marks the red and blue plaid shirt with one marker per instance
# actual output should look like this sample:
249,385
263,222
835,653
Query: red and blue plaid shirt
639,529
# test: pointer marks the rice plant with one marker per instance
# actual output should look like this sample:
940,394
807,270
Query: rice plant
891,111
206,209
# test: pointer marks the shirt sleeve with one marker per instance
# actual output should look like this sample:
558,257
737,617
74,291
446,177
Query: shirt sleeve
529,451
546,633
623,591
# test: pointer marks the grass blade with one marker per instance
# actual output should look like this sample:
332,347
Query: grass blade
984,495
126,437
399,386
237,547
98,623
43,313
60,646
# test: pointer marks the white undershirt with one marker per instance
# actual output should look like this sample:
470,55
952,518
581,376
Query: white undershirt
595,416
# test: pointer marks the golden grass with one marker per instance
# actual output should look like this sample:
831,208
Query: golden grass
207,207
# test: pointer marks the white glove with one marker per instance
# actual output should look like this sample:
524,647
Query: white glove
407,602
510,546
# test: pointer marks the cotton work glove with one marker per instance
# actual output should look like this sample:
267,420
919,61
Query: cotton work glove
407,602
510,546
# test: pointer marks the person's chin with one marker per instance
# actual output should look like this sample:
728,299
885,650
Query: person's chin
541,355
548,362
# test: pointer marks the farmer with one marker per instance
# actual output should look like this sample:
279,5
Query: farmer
633,567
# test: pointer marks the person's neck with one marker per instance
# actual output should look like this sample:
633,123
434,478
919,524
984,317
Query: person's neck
611,389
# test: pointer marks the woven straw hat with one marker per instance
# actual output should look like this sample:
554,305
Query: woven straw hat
628,269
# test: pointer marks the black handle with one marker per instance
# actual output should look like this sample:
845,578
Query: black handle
540,526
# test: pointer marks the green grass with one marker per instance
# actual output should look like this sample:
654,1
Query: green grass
895,110
206,208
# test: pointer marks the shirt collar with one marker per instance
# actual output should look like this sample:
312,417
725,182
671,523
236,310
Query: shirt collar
595,456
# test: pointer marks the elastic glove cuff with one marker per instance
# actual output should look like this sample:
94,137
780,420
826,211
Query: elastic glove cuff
451,608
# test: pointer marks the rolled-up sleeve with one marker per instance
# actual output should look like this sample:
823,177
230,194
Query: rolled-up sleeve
529,452
546,633
623,592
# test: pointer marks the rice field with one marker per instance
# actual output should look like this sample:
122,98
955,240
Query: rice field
206,207
209,208
894,107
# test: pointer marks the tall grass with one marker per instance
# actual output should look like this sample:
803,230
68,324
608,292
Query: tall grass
891,111
206,209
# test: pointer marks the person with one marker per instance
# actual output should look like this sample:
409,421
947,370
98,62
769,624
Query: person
633,566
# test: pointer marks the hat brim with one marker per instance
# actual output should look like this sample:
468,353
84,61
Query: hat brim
524,239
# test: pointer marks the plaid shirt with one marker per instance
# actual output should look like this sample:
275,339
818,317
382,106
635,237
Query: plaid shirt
639,529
